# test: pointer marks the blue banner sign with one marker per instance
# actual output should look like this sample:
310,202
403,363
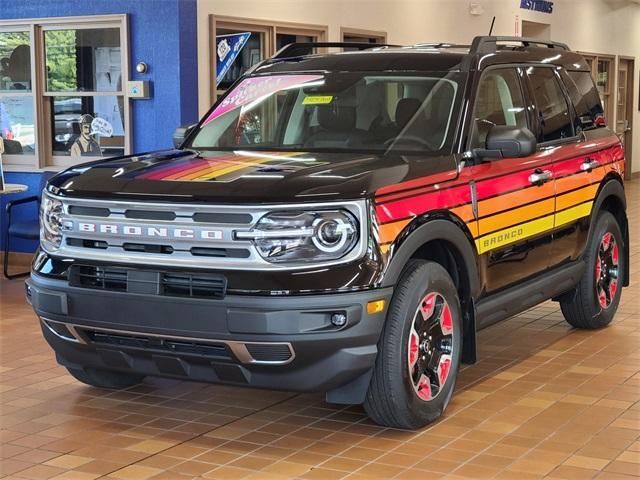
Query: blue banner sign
537,5
228,47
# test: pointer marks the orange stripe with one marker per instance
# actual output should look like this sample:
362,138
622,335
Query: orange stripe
204,171
517,215
514,199
389,231
578,196
578,180
464,212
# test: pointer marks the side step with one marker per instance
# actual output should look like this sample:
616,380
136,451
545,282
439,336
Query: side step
517,299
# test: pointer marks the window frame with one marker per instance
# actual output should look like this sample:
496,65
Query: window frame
532,101
13,162
269,28
519,70
44,158
379,36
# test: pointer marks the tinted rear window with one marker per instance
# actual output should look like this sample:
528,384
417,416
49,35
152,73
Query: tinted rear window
553,111
585,99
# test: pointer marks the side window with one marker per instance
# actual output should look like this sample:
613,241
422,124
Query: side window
551,105
499,102
585,99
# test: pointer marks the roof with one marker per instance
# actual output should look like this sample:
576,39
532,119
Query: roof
483,52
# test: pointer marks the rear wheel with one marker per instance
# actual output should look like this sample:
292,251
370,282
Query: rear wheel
106,378
594,301
419,350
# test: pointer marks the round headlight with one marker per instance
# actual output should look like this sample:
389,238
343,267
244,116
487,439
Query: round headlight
302,236
50,223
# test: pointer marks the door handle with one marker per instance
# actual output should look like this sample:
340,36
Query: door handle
540,176
589,164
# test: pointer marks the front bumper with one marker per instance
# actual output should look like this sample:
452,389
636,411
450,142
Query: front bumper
286,343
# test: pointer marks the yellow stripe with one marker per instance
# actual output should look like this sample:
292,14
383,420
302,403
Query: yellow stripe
578,196
514,234
385,248
572,214
516,215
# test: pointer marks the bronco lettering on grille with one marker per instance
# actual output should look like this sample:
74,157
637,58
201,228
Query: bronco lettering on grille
137,231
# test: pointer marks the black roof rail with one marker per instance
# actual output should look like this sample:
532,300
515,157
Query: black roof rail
487,44
439,45
299,49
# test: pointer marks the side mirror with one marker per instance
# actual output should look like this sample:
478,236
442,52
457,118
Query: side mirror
181,133
508,142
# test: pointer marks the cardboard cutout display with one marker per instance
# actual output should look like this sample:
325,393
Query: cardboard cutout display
85,145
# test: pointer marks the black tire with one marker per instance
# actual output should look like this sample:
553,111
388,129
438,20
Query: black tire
393,397
106,378
582,306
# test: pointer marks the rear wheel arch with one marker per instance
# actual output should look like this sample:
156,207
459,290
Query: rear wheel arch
611,198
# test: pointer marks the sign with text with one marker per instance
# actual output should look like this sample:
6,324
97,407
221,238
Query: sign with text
255,88
228,47
537,5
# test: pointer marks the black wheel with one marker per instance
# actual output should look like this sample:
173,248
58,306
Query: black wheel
106,378
594,301
419,350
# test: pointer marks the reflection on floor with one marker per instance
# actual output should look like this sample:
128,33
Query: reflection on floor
544,400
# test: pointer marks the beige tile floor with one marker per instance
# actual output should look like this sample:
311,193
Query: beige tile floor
544,401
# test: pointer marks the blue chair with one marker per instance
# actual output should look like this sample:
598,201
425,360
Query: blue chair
27,230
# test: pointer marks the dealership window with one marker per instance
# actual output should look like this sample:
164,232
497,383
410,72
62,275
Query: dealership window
83,82
239,44
62,91
17,125
602,71
358,35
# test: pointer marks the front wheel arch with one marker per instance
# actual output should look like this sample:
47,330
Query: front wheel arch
446,242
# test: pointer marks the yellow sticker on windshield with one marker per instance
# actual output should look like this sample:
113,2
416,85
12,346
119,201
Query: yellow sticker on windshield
317,99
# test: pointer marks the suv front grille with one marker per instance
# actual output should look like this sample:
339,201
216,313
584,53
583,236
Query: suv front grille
169,235
119,279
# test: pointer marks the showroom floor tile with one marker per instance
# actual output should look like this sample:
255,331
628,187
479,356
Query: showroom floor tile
544,401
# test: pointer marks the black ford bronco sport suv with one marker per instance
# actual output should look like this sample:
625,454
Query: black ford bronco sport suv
342,223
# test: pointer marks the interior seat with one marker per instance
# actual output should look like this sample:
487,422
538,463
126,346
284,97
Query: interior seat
338,128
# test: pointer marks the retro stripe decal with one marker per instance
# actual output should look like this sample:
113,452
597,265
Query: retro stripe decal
509,208
572,214
514,234
220,168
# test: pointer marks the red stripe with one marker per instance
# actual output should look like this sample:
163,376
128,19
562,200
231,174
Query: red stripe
410,207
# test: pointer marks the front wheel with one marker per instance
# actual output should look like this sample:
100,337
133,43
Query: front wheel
419,350
594,301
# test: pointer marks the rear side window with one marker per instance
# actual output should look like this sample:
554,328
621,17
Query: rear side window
585,99
551,105
499,102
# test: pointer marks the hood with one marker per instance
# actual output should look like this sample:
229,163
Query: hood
243,176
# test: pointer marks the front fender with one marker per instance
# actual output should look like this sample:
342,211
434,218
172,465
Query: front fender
425,229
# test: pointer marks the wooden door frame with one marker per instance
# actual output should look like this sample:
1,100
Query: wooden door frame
631,80
364,33
270,28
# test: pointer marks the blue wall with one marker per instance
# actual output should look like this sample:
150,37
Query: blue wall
163,34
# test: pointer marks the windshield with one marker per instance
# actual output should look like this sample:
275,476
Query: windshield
336,112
